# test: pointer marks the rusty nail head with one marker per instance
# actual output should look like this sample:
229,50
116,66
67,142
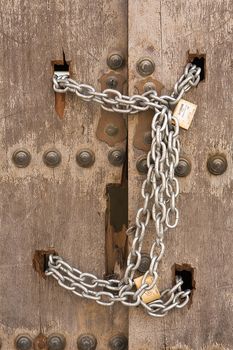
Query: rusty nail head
23,342
145,66
149,86
183,168
116,157
85,158
141,165
145,263
52,158
217,164
21,158
87,342
56,342
111,130
115,60
118,342
112,82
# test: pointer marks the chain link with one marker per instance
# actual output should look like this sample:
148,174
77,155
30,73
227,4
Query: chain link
160,188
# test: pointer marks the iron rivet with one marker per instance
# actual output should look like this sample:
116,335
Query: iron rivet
145,66
217,164
145,263
23,342
112,83
21,158
115,60
118,342
141,165
85,158
149,86
87,342
147,138
111,130
183,168
52,158
116,157
56,342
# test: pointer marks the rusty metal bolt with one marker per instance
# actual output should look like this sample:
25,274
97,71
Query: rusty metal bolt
118,342
116,157
112,82
115,60
145,66
87,342
149,86
183,168
141,165
52,158
56,342
85,158
23,342
21,158
111,130
145,263
217,164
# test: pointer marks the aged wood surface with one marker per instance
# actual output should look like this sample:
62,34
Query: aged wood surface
61,208
167,30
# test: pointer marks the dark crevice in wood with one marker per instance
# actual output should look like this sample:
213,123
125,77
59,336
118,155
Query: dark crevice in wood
40,260
186,272
200,61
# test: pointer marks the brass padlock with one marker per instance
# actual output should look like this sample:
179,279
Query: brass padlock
149,295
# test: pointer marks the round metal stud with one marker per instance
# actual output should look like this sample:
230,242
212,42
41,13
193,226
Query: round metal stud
112,82
111,130
141,165
116,157
21,158
145,66
56,342
145,263
149,86
217,164
87,342
85,158
52,158
23,342
118,342
115,60
183,168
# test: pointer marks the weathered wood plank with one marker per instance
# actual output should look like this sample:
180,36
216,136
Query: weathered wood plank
63,207
166,30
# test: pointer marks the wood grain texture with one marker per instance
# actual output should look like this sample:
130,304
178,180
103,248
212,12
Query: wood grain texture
166,30
63,207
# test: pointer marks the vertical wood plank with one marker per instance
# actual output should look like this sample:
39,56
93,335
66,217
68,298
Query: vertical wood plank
166,31
62,207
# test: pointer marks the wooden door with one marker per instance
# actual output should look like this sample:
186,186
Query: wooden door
52,201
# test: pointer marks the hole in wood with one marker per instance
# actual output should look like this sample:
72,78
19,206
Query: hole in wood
40,260
60,66
200,61
186,272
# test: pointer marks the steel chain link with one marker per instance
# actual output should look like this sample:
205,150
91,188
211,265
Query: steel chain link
160,188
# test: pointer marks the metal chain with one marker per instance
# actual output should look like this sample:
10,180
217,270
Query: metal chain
160,188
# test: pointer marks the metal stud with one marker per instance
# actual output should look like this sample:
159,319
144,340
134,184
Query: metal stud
23,342
111,130
87,342
217,164
52,158
85,158
116,157
115,60
56,342
118,342
21,158
141,165
149,86
183,168
145,263
145,66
